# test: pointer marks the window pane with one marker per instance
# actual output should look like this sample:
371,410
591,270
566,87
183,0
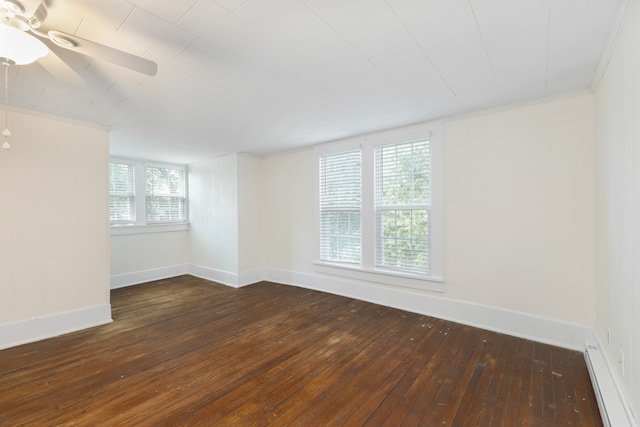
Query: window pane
166,200
402,198
340,207
121,194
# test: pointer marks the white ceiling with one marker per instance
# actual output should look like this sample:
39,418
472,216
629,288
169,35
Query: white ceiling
264,76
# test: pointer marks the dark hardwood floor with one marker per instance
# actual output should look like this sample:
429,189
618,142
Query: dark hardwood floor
185,351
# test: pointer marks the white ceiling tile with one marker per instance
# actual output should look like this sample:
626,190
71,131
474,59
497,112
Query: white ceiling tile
202,54
276,18
107,13
341,14
262,52
433,21
316,42
231,5
497,15
570,9
147,29
170,11
215,24
462,55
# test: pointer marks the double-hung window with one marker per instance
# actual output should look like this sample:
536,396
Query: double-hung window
121,194
402,206
340,207
375,219
147,196
166,197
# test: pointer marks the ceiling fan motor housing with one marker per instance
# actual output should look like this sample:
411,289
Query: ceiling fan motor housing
34,12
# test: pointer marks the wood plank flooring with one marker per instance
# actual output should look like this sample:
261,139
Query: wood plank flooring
185,351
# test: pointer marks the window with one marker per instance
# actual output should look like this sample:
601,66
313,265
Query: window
376,220
121,195
402,195
165,195
340,205
166,201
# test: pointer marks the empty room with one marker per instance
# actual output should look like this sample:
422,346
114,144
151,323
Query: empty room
320,212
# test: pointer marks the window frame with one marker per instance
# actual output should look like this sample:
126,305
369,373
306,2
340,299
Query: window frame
141,225
367,271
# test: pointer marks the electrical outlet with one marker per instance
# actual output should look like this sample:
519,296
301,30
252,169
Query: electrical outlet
621,361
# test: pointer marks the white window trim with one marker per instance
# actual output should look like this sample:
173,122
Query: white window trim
367,271
140,190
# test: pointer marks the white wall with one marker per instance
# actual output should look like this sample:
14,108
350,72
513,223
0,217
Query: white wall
213,213
250,206
288,214
519,209
54,235
137,258
518,214
618,209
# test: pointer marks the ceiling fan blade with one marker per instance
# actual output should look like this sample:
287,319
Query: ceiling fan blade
59,69
105,53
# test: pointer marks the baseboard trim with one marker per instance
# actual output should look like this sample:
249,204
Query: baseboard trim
522,325
614,408
219,276
31,330
143,276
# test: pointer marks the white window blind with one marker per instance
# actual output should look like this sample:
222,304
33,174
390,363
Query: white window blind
340,207
121,194
403,206
165,195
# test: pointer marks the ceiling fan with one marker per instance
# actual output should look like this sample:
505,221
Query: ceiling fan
28,17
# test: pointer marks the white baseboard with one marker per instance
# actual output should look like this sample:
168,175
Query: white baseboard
614,408
214,275
143,276
227,278
523,325
26,331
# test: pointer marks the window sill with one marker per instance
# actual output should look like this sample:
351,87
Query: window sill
117,230
406,280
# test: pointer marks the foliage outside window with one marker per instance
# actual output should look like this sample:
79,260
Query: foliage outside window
402,206
164,188
375,208
166,201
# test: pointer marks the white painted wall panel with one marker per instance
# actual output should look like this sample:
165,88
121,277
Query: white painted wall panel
132,253
618,209
213,213
250,213
54,242
519,209
288,215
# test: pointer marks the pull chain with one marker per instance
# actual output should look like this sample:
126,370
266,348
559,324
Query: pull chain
6,133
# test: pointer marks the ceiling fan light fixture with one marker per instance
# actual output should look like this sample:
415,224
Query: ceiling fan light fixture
20,47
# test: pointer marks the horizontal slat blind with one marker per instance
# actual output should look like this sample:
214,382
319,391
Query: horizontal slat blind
403,206
121,194
340,207
166,199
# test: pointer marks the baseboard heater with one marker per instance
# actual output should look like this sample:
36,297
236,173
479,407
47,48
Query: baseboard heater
613,407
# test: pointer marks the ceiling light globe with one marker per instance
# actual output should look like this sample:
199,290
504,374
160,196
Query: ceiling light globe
20,47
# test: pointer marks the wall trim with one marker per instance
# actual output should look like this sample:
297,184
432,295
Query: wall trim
31,330
143,276
219,276
518,324
614,408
